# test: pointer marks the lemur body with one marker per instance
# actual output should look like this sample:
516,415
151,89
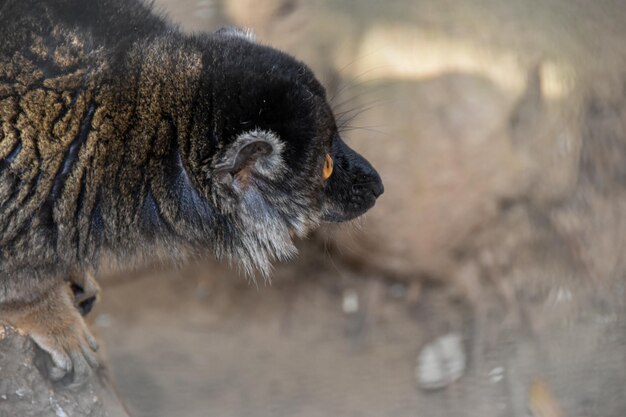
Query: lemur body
126,139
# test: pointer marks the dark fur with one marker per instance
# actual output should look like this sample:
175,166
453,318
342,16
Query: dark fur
123,138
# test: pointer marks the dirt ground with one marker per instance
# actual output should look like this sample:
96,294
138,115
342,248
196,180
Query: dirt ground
205,343
505,227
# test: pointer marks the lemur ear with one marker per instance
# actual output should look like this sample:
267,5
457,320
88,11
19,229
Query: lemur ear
255,150
245,33
243,158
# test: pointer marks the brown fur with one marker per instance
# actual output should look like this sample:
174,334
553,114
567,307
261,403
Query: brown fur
41,117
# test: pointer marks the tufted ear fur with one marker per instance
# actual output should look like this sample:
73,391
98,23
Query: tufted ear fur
254,151
245,33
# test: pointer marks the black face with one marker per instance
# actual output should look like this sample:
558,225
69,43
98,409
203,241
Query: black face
353,186
279,166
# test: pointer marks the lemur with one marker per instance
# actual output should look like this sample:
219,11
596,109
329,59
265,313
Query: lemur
124,138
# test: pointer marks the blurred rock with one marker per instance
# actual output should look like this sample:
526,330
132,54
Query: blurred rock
459,151
446,164
350,301
441,362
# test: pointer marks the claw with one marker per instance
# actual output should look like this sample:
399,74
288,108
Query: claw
93,343
56,374
81,369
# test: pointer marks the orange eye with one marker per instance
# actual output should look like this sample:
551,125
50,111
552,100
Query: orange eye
328,166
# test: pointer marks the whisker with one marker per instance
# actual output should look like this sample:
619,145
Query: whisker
357,59
344,120
358,110
362,93
352,82
365,128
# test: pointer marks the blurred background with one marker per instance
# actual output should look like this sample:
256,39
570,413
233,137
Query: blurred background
489,278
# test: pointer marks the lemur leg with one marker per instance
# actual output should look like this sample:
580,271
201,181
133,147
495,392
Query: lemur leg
86,291
53,322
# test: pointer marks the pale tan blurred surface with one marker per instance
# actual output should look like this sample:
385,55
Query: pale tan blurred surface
499,128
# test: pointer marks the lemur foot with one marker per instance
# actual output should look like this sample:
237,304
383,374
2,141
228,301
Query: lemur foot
86,292
56,326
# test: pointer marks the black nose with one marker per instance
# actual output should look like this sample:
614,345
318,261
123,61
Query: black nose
370,180
378,188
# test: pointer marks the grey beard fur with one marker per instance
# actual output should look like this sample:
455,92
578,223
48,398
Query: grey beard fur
262,227
264,237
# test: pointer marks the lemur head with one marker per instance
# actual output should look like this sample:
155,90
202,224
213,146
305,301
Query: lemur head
277,166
